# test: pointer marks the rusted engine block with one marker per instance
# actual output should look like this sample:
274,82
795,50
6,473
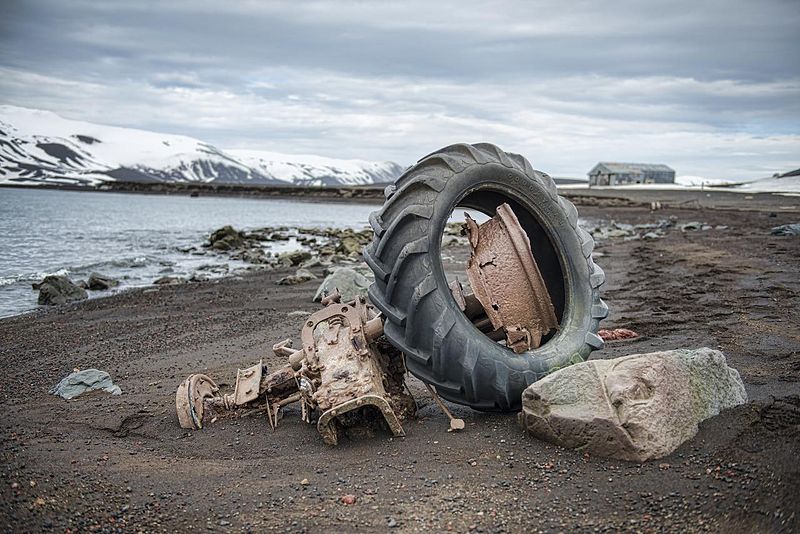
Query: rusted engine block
340,372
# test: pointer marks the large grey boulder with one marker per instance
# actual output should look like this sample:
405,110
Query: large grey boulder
350,283
57,289
80,382
634,408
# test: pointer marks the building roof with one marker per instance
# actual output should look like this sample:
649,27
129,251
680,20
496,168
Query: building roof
630,167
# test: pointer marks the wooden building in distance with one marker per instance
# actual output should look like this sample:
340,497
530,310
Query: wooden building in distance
608,173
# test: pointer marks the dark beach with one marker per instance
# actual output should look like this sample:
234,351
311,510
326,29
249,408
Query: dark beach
107,463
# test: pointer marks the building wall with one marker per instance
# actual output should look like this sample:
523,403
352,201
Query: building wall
644,177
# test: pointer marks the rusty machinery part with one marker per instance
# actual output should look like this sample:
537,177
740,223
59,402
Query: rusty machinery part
343,366
456,424
190,400
506,280
443,346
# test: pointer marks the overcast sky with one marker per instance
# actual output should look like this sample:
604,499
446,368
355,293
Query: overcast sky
710,88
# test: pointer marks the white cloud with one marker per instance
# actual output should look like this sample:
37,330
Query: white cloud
404,119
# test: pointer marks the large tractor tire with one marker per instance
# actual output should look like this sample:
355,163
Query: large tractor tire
442,346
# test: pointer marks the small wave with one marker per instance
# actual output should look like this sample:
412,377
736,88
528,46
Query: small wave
136,261
30,277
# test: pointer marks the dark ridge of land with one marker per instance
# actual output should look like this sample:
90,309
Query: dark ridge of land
343,193
118,463
711,198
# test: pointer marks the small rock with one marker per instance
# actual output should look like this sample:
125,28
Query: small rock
226,238
169,280
786,229
296,257
100,282
691,226
348,499
304,482
80,382
392,523
298,313
300,276
56,289
311,263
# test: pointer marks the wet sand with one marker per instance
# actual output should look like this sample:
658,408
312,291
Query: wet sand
122,463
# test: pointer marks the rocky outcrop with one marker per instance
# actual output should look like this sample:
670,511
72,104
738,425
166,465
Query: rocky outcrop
80,382
55,290
100,282
634,408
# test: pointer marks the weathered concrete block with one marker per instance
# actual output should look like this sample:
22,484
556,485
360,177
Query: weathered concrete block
634,408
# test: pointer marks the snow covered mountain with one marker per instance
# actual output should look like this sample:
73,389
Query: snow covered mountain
41,147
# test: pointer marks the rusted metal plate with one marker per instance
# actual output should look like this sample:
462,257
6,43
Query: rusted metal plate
247,384
507,282
327,428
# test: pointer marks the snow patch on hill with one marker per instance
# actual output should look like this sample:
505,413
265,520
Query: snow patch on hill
42,147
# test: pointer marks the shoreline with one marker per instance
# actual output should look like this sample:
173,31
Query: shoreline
692,199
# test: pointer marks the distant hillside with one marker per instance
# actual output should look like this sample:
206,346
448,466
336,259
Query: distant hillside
41,147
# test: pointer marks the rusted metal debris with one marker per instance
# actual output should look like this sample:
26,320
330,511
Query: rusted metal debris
349,374
456,424
617,334
507,282
340,371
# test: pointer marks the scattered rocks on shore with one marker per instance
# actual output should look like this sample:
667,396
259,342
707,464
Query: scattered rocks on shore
635,407
100,282
317,247
626,232
56,289
616,230
80,382
350,283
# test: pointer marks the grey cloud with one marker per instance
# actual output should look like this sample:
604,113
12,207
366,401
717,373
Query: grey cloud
396,80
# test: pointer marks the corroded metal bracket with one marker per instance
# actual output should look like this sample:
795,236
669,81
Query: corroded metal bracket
506,280
190,399
327,427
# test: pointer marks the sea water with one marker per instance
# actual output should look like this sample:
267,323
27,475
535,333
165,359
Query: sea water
132,237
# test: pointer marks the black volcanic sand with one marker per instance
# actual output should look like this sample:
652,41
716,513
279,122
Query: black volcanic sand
122,463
